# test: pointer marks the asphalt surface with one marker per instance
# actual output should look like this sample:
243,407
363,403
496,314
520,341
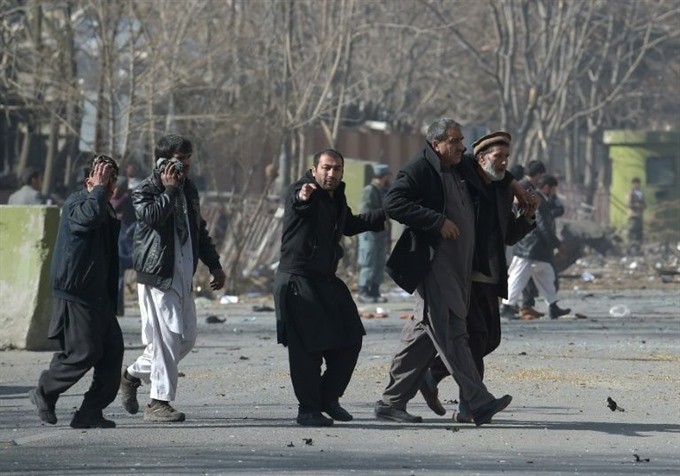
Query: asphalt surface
240,406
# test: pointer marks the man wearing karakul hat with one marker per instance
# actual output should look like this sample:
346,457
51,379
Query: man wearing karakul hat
495,227
433,259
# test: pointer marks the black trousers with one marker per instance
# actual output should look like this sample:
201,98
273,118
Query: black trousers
312,389
89,338
483,325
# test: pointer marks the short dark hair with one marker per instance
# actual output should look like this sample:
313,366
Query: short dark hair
29,174
534,168
517,171
635,180
329,152
170,144
547,180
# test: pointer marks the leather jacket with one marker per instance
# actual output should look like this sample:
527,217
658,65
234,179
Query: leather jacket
154,241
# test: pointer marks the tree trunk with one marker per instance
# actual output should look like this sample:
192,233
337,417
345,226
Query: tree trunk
25,150
51,154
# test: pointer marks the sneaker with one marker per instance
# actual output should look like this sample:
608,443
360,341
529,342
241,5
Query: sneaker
128,392
45,410
385,412
365,298
556,311
528,313
509,312
162,411
336,412
90,419
379,299
313,419
428,389
484,414
374,291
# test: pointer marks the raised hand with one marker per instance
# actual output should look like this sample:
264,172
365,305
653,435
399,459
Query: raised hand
306,192
170,176
101,174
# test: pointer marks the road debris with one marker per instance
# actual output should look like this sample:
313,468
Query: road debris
214,320
613,406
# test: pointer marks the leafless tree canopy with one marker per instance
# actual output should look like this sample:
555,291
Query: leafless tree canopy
246,79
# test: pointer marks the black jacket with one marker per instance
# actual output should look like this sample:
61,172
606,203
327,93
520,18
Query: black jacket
417,200
154,242
511,228
85,261
310,243
308,296
540,244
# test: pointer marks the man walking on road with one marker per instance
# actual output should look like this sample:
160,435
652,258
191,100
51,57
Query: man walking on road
316,317
496,226
533,255
84,278
170,238
430,197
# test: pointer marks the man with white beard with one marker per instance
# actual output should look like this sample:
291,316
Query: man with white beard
495,227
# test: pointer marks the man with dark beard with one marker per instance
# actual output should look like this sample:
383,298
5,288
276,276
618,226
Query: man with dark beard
316,317
495,227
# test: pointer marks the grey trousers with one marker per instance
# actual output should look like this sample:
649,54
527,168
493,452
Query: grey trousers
421,341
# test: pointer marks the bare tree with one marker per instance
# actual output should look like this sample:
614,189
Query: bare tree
553,64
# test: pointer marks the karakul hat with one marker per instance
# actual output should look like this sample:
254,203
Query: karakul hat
499,137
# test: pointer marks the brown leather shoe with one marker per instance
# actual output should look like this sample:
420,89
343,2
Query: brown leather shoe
528,313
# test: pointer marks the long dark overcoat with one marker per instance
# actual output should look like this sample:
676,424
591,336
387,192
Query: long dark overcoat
309,297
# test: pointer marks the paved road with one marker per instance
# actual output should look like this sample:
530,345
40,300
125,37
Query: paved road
240,406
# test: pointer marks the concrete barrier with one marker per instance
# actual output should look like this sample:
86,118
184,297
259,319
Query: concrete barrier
27,237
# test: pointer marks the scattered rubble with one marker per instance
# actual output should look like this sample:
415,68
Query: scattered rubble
215,320
613,406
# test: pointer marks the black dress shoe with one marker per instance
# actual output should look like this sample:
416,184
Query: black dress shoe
385,412
484,413
556,311
94,419
336,412
313,419
509,312
429,391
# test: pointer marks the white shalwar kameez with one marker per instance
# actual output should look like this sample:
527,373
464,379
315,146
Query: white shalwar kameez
168,325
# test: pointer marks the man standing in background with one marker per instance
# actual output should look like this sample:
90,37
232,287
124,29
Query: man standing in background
29,193
636,207
373,245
